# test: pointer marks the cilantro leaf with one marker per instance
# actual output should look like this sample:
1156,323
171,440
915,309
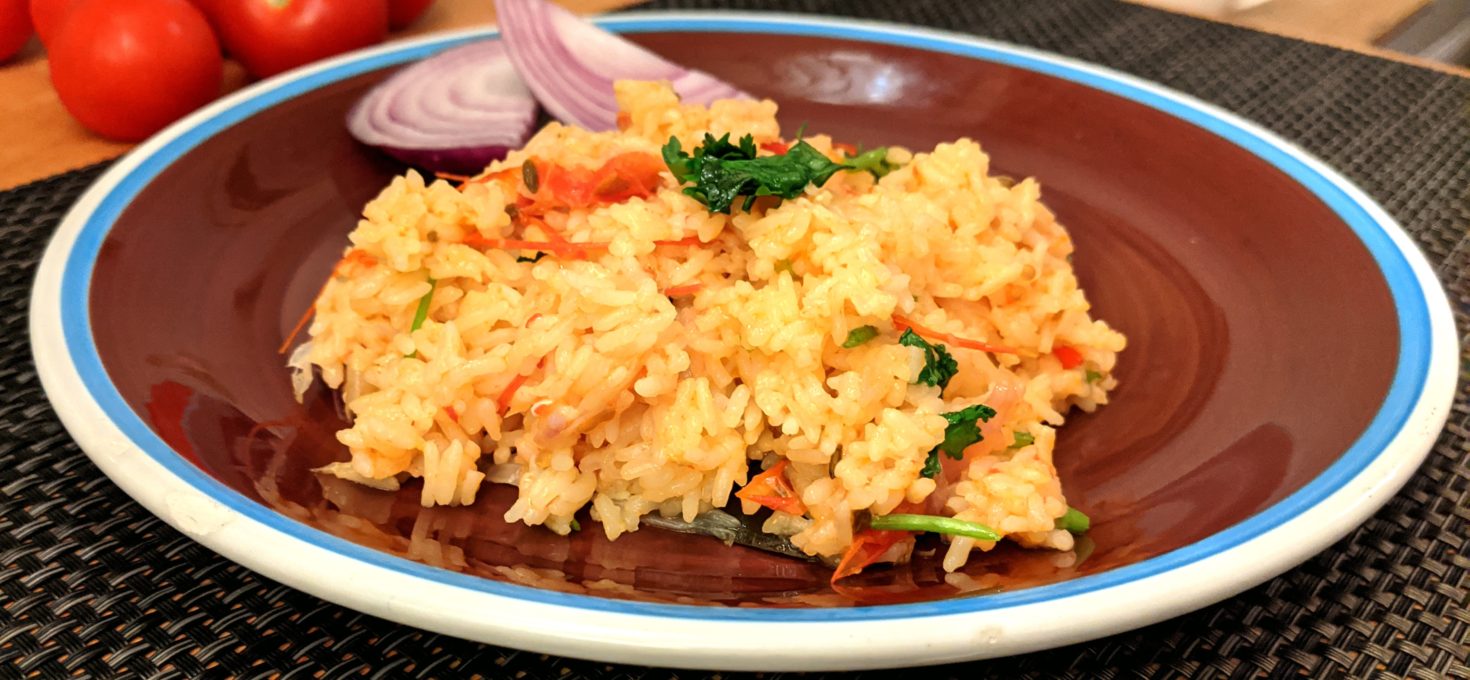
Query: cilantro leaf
1023,439
719,172
962,431
932,467
939,366
874,162
1093,376
860,335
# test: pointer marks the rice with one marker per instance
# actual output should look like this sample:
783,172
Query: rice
604,391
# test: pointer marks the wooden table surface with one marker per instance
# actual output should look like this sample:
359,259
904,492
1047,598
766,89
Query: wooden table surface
38,138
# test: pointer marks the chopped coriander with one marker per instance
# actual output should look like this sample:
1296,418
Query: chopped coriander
576,526
1023,439
874,162
1074,521
534,258
859,335
422,313
1093,376
962,431
934,524
939,366
531,178
932,466
719,172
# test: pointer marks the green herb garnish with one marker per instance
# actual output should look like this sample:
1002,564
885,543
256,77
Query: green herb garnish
874,162
859,335
535,258
422,313
1023,439
962,431
1074,521
939,366
576,526
530,177
719,172
934,524
1093,376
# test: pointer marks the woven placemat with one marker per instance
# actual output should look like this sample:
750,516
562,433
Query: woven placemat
93,585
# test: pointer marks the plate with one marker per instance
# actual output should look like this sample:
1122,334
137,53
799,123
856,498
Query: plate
1291,360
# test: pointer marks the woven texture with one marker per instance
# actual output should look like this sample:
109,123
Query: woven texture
91,584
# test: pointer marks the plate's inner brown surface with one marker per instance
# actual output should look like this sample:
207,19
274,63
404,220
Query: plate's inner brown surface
1243,297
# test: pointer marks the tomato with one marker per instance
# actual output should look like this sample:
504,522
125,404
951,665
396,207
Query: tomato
401,13
15,27
127,68
271,36
48,15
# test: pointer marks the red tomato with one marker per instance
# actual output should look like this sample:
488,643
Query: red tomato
401,13
271,36
15,27
48,15
126,68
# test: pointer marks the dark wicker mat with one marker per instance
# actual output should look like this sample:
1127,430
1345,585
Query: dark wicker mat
91,584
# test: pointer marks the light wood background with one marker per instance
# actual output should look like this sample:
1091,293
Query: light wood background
38,138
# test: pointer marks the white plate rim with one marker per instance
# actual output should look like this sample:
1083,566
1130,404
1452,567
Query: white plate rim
674,635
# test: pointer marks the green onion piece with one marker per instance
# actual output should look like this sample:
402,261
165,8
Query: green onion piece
1093,376
422,312
1074,521
530,177
1023,439
859,335
935,524
576,526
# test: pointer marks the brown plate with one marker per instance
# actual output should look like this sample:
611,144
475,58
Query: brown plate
1264,332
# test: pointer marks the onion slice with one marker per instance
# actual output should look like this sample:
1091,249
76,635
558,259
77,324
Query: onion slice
571,64
454,112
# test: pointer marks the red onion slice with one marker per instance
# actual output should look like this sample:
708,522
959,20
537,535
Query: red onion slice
454,112
571,64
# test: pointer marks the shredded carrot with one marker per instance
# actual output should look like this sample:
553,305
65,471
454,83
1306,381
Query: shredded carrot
462,179
310,310
532,319
354,256
901,323
773,490
503,401
503,173
453,415
1069,356
680,291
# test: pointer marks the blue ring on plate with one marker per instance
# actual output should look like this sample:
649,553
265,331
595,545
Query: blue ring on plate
1409,377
